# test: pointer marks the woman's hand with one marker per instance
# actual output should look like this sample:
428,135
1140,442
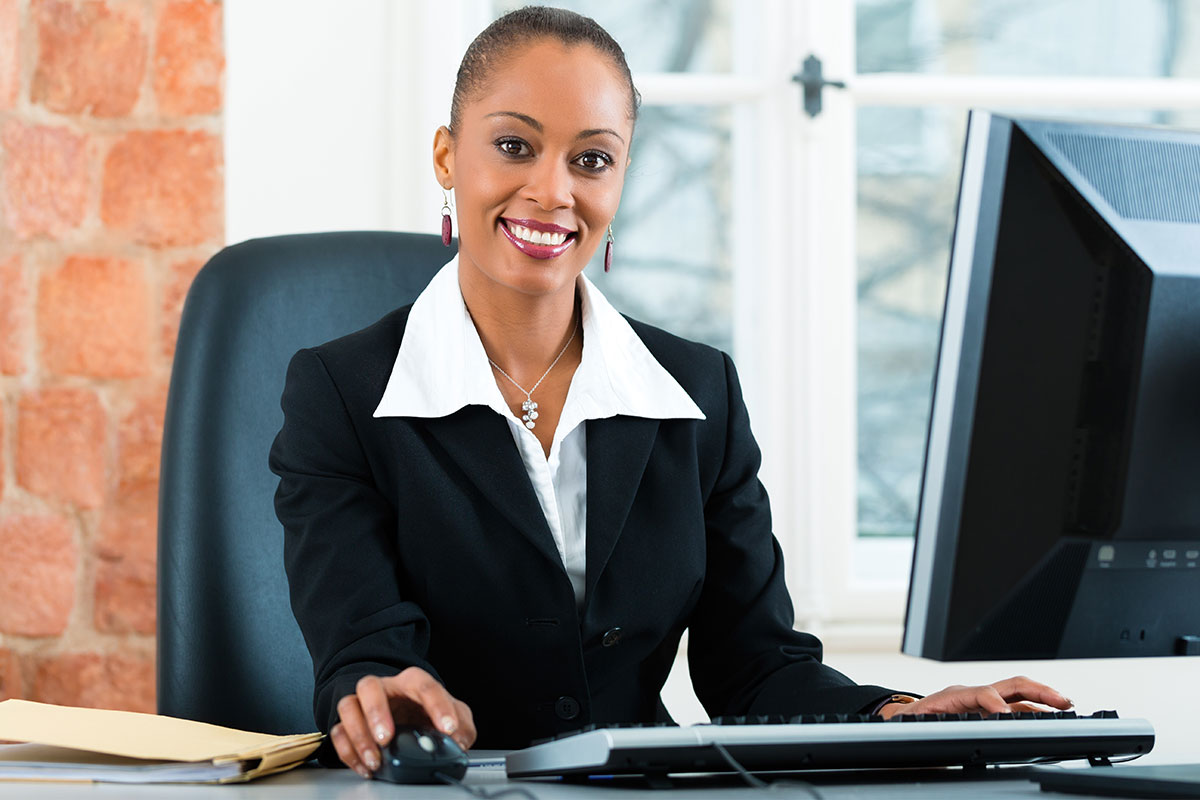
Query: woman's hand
370,715
1001,697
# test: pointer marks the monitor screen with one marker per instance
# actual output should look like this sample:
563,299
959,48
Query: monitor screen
1060,502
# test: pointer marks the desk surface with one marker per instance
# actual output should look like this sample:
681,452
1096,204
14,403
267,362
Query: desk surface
324,784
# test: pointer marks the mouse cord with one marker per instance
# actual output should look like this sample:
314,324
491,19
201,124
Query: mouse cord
758,783
483,794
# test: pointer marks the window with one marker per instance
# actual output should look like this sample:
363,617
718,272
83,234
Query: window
920,65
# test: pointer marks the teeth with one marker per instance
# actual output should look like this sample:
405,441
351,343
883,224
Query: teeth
536,237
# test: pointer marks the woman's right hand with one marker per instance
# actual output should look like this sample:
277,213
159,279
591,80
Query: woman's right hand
369,716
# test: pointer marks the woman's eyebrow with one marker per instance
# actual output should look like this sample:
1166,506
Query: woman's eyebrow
528,120
594,131
537,126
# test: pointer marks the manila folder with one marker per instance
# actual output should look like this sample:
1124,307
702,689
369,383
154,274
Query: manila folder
150,738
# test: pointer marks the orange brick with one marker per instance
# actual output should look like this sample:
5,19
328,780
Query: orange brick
189,58
139,437
94,318
127,531
164,187
10,54
125,573
12,684
92,680
125,598
178,283
37,575
91,57
2,451
46,179
61,436
14,316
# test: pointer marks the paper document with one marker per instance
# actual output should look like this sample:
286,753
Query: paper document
87,744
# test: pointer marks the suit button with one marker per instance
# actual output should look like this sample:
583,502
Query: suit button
611,637
566,708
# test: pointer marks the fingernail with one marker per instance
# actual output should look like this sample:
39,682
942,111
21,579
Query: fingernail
448,725
372,761
362,772
380,732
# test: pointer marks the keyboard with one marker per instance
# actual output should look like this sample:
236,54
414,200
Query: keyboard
835,741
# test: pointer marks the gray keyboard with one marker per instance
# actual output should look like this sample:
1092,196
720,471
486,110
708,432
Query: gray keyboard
835,741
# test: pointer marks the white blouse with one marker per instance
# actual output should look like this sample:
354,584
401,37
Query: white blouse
442,367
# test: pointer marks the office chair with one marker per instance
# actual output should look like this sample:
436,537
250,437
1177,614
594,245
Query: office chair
229,650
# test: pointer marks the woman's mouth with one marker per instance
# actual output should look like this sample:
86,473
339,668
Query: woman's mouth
537,239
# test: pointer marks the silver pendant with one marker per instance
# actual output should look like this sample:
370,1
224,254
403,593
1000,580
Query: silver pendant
530,409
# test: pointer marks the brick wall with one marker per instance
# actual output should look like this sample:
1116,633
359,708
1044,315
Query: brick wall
111,197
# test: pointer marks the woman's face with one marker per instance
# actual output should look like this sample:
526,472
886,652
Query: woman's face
537,165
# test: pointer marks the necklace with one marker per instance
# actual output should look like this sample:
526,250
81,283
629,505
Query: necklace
530,407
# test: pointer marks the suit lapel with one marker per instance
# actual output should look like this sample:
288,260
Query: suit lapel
481,444
618,449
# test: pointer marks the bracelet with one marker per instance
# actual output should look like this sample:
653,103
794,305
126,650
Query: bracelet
902,699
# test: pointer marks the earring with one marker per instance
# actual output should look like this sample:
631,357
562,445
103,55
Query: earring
446,225
608,248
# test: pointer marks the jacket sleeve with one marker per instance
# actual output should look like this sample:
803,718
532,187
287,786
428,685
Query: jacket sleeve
339,544
743,653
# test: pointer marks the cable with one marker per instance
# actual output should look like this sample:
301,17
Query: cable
750,779
758,783
483,794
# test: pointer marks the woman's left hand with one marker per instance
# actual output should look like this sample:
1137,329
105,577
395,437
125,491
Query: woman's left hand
1001,697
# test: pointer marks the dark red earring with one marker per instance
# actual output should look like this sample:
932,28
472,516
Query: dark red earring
446,227
608,248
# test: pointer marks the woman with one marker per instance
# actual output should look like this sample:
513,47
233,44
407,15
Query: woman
505,503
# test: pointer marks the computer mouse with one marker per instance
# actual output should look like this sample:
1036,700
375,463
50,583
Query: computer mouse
420,755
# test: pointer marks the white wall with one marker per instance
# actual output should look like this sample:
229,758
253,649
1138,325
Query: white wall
331,109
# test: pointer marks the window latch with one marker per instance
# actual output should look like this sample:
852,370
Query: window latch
811,77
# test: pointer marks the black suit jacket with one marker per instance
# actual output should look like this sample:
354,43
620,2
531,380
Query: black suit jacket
421,542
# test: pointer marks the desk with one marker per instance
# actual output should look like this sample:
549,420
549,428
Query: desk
326,784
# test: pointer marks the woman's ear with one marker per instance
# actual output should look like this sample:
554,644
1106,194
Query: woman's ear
443,157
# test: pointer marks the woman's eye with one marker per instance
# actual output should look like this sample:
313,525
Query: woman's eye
594,161
512,147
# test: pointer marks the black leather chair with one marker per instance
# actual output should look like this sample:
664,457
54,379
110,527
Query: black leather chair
229,650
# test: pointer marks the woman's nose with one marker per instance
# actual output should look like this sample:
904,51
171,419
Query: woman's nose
550,184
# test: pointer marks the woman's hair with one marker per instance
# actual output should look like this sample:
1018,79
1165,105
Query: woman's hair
521,27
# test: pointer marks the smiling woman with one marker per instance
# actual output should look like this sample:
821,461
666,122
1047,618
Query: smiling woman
506,502
543,153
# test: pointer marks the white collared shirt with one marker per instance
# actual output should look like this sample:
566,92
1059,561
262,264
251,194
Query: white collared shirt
442,367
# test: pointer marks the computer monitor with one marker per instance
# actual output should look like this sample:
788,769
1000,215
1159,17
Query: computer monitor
1060,504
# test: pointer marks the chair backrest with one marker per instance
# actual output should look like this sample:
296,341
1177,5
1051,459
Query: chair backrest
229,650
